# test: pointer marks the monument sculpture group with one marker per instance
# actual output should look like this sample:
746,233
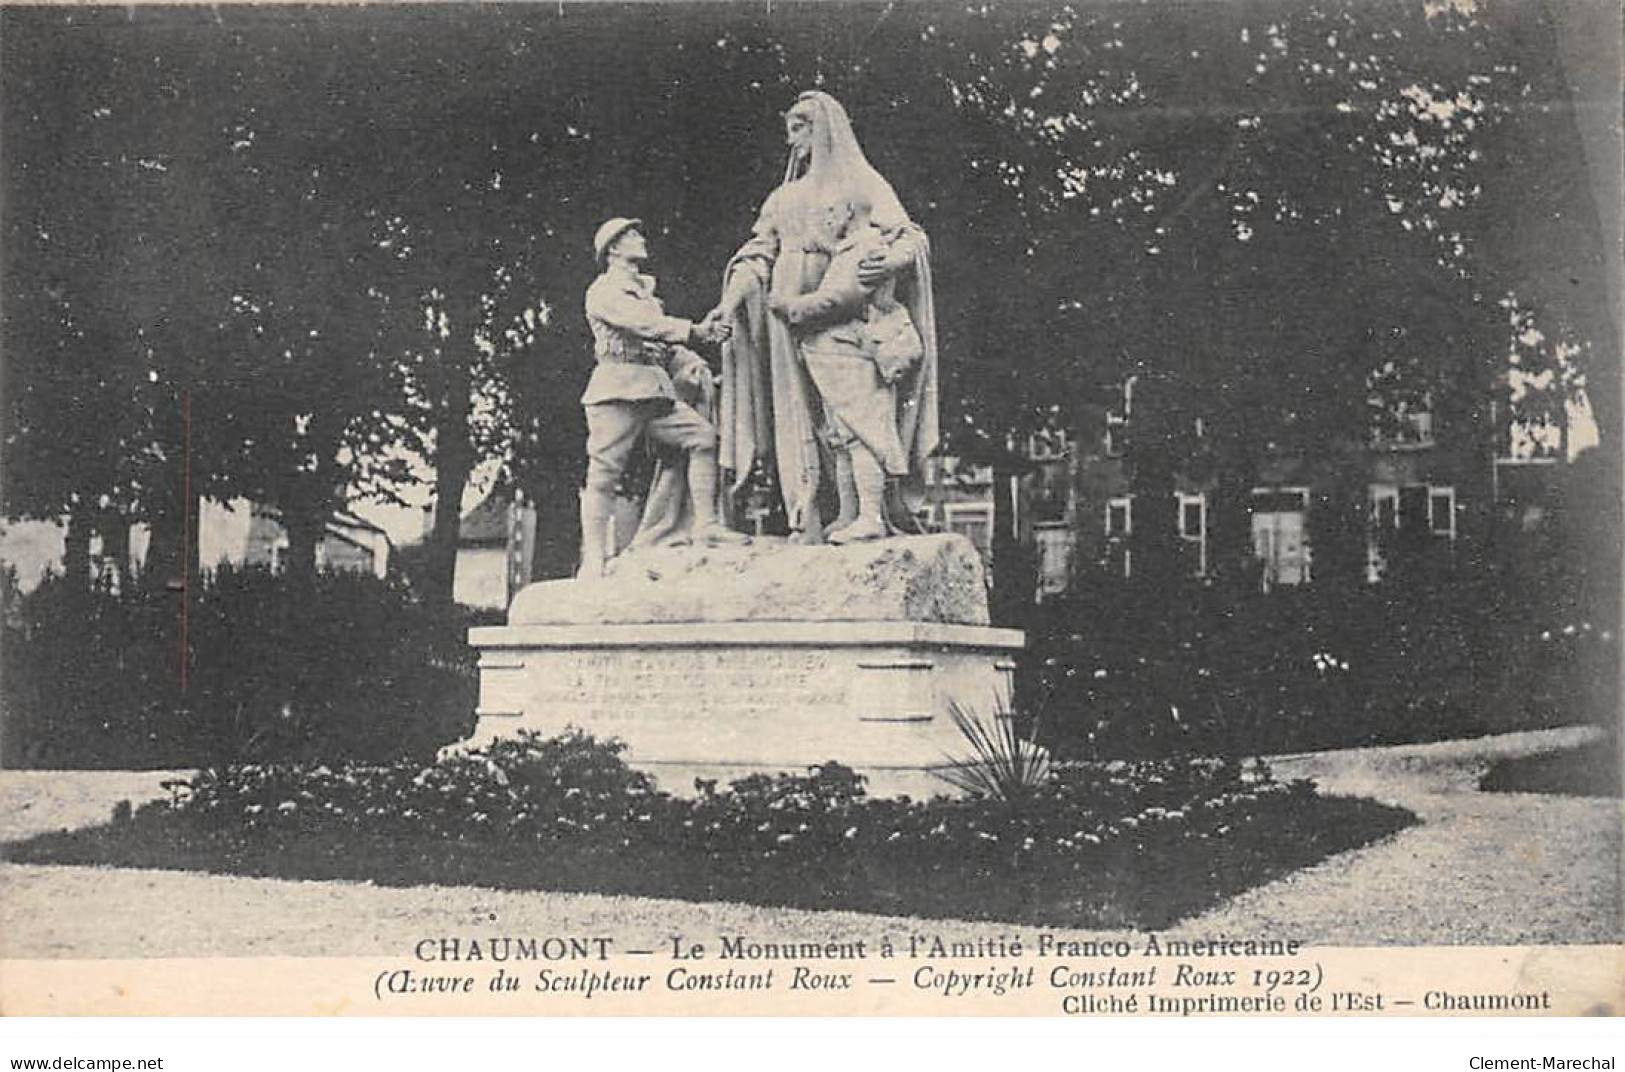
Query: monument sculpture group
715,654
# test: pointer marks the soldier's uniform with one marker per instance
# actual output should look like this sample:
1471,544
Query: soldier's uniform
638,350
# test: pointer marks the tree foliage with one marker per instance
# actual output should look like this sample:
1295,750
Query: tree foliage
350,238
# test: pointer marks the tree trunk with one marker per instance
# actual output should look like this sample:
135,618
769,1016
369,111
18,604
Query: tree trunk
451,478
76,549
1089,430
114,528
558,526
453,461
1230,539
1015,583
164,556
313,499
1155,517
304,528
1339,523
172,551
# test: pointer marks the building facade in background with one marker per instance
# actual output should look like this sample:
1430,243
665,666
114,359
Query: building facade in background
238,534
1420,487
496,545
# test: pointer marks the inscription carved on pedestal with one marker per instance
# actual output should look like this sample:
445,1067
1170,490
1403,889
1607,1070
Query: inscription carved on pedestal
694,685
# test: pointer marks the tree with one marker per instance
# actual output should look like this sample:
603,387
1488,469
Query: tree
1132,189
100,250
459,359
1242,169
298,403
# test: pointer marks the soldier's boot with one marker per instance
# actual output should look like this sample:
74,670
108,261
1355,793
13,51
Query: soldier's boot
811,531
847,485
595,515
702,488
899,517
871,483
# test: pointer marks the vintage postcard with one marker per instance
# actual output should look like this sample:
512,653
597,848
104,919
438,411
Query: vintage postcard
1027,509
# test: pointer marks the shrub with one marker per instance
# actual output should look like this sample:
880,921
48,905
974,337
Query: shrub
346,666
1111,844
559,788
1451,653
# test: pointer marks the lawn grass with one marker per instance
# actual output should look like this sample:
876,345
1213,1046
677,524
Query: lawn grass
1591,770
1146,886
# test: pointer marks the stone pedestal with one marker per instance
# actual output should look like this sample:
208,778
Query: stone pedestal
743,687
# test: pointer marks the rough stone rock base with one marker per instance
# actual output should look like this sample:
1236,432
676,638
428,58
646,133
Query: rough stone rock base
726,699
903,579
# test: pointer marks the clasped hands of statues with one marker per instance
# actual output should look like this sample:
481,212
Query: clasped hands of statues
716,327
712,331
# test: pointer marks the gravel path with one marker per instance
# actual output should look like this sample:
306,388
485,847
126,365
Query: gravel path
191,915
1480,869
41,801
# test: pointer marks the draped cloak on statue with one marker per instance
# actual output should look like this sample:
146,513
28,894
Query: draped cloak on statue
769,406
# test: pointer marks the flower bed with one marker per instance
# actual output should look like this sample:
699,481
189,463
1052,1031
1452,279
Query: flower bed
1116,845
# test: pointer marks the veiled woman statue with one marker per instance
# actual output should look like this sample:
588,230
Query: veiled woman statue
801,379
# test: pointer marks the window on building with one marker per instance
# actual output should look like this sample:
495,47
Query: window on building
1442,511
1280,535
974,521
1418,427
1384,520
1385,506
1193,529
1419,511
1192,516
1119,526
1406,427
1116,435
1401,416
1119,516
1117,421
1048,445
1055,547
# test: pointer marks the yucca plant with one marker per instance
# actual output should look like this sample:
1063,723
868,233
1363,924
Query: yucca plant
1003,765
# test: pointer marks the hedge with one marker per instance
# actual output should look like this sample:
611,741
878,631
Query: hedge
345,666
